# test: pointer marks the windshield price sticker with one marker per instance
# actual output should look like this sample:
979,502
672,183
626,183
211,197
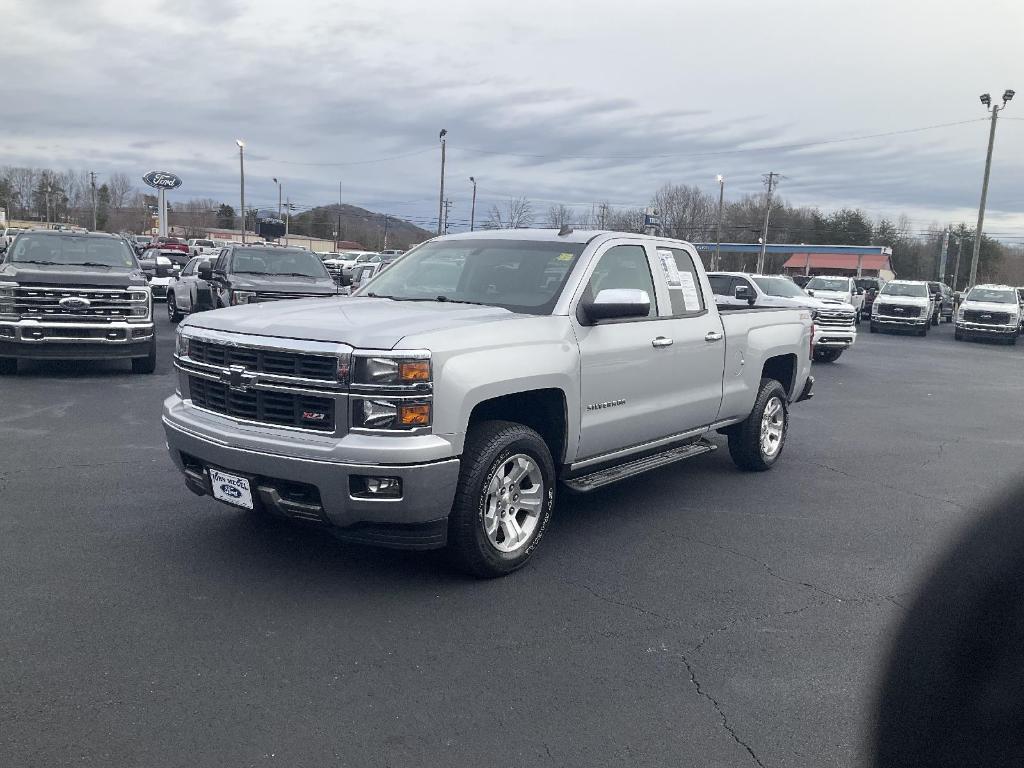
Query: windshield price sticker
691,299
668,265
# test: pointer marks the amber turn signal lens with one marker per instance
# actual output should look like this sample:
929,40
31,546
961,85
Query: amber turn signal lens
414,370
414,415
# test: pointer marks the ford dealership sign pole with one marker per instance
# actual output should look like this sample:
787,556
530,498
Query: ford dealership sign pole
162,181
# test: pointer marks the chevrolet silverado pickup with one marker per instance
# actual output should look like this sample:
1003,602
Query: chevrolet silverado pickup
446,400
74,295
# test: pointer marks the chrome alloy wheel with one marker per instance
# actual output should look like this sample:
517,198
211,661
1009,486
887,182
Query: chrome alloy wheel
515,497
773,422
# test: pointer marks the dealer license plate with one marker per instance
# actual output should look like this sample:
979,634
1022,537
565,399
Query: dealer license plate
231,488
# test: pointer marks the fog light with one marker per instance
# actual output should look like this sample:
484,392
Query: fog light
7,331
368,487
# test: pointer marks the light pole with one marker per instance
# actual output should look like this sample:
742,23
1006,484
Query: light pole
995,109
440,204
718,241
278,198
241,180
472,211
767,216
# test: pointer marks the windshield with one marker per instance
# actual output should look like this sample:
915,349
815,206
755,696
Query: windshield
780,286
993,295
364,257
520,275
916,290
261,261
867,283
205,243
72,250
829,284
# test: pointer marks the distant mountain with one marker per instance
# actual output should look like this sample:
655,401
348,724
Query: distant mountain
357,224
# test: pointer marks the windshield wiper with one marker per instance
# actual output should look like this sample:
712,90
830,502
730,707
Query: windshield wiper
47,263
91,264
458,301
294,274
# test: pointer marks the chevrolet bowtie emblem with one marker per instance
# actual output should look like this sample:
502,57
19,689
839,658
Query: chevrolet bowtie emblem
236,377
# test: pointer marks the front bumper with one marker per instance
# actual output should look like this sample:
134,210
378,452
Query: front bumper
34,340
901,322
978,329
833,338
320,489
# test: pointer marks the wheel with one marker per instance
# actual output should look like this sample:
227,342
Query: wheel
8,366
172,309
935,319
146,364
873,328
756,443
503,501
827,355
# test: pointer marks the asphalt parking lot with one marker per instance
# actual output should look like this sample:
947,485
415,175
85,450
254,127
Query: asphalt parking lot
692,616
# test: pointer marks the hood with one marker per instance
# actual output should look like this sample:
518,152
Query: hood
821,294
839,306
989,306
278,284
92,277
361,322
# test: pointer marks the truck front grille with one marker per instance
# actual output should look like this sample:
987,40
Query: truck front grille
290,409
98,304
319,367
280,296
898,310
835,319
987,318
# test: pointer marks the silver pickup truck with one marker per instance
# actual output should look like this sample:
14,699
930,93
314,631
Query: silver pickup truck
445,401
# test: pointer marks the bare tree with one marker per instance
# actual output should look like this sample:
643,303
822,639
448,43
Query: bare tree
121,188
686,212
560,216
601,216
516,214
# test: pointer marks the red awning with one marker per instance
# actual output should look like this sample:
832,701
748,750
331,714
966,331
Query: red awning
873,261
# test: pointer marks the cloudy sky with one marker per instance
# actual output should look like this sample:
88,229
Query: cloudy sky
570,102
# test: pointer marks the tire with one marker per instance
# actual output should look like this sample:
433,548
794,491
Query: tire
493,450
923,331
173,315
745,439
8,366
146,364
827,355
935,319
873,328
957,335
1012,341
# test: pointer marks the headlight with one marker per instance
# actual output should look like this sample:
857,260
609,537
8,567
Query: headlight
181,345
391,371
243,297
960,314
371,413
7,298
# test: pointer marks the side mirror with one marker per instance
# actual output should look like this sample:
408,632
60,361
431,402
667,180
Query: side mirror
860,291
745,293
205,271
617,303
809,291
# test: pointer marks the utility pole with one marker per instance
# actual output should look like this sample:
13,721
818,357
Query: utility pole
995,109
337,245
92,184
942,255
472,211
956,261
718,241
278,197
440,204
447,208
287,219
767,216
386,231
241,182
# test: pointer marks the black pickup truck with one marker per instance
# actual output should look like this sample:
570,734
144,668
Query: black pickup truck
74,296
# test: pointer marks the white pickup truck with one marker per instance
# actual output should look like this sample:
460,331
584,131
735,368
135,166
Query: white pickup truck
834,321
445,402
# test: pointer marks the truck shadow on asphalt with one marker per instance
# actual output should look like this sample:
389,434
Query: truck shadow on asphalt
83,369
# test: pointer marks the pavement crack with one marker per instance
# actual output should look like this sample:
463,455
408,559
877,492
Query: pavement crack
889,487
612,601
721,713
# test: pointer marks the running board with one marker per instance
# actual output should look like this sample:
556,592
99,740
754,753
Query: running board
603,477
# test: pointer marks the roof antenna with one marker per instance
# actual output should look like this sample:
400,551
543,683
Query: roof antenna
565,231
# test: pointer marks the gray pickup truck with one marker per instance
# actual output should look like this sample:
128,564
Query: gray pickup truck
445,401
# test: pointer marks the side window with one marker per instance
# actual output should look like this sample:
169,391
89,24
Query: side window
683,282
624,266
189,268
721,285
222,261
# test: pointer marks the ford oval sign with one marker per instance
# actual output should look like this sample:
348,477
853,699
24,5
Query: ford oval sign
162,180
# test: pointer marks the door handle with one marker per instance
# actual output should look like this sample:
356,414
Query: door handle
713,336
661,341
